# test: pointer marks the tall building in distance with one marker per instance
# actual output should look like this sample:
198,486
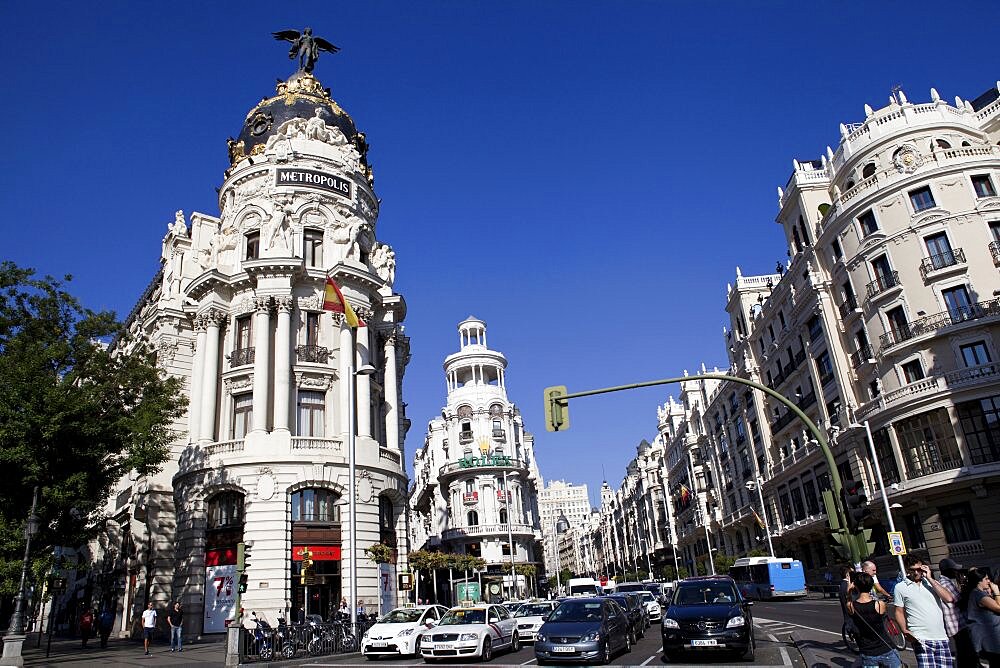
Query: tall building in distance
476,482
261,457
560,498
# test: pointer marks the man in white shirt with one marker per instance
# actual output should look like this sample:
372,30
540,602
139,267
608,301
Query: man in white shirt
148,626
919,616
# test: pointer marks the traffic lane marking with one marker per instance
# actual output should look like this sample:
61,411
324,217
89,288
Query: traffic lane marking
801,626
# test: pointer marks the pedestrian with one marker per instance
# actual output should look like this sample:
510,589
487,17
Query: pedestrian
844,594
174,618
361,608
981,601
919,615
956,622
105,621
86,626
870,568
345,609
869,617
148,626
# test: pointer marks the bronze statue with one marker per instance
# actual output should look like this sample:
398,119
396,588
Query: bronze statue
305,47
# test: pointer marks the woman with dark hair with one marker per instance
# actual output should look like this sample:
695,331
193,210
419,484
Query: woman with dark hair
980,601
869,623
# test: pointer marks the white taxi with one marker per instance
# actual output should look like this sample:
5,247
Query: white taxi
653,610
476,630
530,617
399,631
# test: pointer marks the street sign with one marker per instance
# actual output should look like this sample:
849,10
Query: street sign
896,544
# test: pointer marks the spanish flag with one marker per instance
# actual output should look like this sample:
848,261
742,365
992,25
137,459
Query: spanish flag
685,494
334,301
760,522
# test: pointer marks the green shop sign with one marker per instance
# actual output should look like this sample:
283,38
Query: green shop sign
488,460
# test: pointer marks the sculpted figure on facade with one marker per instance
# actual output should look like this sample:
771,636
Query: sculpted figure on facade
383,260
278,231
221,252
179,227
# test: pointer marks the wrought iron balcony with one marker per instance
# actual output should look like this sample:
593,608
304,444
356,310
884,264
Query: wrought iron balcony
848,307
895,336
941,261
862,355
315,354
499,435
932,323
465,437
241,357
883,283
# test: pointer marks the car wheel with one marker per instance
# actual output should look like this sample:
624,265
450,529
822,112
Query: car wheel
628,644
487,653
672,656
515,643
416,646
605,654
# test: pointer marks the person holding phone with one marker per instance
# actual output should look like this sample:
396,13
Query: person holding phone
918,613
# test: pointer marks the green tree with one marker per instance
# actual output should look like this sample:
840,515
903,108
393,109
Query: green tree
81,405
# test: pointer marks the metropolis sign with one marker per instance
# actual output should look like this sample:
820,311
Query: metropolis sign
488,460
313,179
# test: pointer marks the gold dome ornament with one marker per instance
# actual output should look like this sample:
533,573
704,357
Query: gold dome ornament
907,159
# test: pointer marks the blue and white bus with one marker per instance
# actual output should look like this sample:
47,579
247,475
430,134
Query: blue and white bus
765,578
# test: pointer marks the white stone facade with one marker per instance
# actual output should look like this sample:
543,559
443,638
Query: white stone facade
261,457
560,498
458,501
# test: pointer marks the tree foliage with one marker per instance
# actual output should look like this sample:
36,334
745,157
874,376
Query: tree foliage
76,413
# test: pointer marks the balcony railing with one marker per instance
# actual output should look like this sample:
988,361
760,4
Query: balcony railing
932,323
941,261
312,443
499,435
883,283
796,456
314,354
995,252
486,530
919,469
241,357
973,375
389,455
861,356
465,437
470,498
848,307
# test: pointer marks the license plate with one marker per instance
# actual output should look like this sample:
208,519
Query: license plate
704,643
380,643
442,645
564,650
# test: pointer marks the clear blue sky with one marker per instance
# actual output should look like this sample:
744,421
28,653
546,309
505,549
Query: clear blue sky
584,176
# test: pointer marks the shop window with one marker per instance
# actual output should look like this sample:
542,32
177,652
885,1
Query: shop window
315,505
225,509
958,523
311,413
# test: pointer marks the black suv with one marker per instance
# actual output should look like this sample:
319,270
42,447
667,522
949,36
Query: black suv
635,611
708,614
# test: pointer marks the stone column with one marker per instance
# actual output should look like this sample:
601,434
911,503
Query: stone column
210,377
282,363
391,394
197,378
364,384
261,360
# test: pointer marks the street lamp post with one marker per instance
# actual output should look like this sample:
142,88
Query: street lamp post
881,487
510,534
15,633
352,526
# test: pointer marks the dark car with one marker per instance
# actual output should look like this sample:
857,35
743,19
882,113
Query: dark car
583,629
708,614
635,611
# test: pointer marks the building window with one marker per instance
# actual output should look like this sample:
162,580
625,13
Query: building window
312,247
311,413
899,327
983,185
939,250
958,302
921,198
503,516
225,510
912,371
812,500
312,329
474,549
980,420
472,518
315,505
868,171
928,443
886,460
470,486
253,245
786,509
958,522
242,414
386,519
867,223
838,252
825,367
974,354
914,530
244,330
815,328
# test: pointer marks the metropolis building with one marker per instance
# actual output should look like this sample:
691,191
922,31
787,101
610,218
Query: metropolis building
475,480
261,457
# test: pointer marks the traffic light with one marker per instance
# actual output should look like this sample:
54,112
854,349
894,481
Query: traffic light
243,583
855,502
556,410
242,557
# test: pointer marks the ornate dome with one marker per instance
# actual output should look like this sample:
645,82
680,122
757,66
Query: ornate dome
299,97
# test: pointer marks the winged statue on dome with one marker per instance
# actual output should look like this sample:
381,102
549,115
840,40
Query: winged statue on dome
305,46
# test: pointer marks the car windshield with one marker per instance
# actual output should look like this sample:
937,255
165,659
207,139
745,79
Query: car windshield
622,601
646,596
534,610
635,587
700,594
464,616
577,611
401,616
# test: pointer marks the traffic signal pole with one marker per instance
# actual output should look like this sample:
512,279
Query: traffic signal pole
557,419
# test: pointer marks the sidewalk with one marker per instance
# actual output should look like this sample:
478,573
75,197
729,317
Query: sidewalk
210,651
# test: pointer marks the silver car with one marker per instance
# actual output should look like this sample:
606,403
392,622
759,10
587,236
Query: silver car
583,629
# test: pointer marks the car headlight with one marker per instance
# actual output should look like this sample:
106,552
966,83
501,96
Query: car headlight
736,621
593,636
469,636
670,623
406,632
540,638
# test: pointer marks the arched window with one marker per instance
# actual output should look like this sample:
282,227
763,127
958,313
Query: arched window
472,518
315,505
941,143
225,510
868,171
503,516
849,184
